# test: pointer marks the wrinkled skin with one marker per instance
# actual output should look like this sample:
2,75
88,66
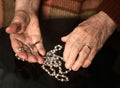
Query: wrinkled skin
25,30
86,40
81,45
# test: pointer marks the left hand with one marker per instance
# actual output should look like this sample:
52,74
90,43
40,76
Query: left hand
26,38
86,40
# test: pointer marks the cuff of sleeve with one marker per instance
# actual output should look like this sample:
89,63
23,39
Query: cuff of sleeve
111,8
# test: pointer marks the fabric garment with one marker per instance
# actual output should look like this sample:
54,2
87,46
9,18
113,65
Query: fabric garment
112,7
7,12
81,8
1,13
17,74
67,8
57,19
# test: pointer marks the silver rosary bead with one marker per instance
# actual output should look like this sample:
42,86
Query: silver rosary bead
53,65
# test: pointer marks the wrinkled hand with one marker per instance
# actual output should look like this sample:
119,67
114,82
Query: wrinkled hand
25,37
86,40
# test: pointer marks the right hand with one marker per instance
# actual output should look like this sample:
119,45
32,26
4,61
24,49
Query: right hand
24,31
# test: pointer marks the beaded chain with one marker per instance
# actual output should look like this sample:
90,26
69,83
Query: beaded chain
53,65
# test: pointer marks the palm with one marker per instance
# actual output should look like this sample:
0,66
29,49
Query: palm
29,39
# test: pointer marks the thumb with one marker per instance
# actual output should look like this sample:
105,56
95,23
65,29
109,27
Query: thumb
13,28
65,38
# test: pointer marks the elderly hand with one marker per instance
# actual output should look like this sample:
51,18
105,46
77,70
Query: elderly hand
86,40
25,36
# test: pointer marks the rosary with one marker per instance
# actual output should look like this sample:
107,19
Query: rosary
53,65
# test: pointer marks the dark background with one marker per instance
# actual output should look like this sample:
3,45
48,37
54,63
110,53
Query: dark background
104,71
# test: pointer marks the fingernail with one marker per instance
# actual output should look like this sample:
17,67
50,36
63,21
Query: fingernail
74,68
40,61
42,52
67,66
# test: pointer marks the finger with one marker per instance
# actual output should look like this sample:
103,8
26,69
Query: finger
71,39
84,53
16,45
36,56
67,50
13,28
19,22
31,58
65,38
40,48
40,60
75,49
89,59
